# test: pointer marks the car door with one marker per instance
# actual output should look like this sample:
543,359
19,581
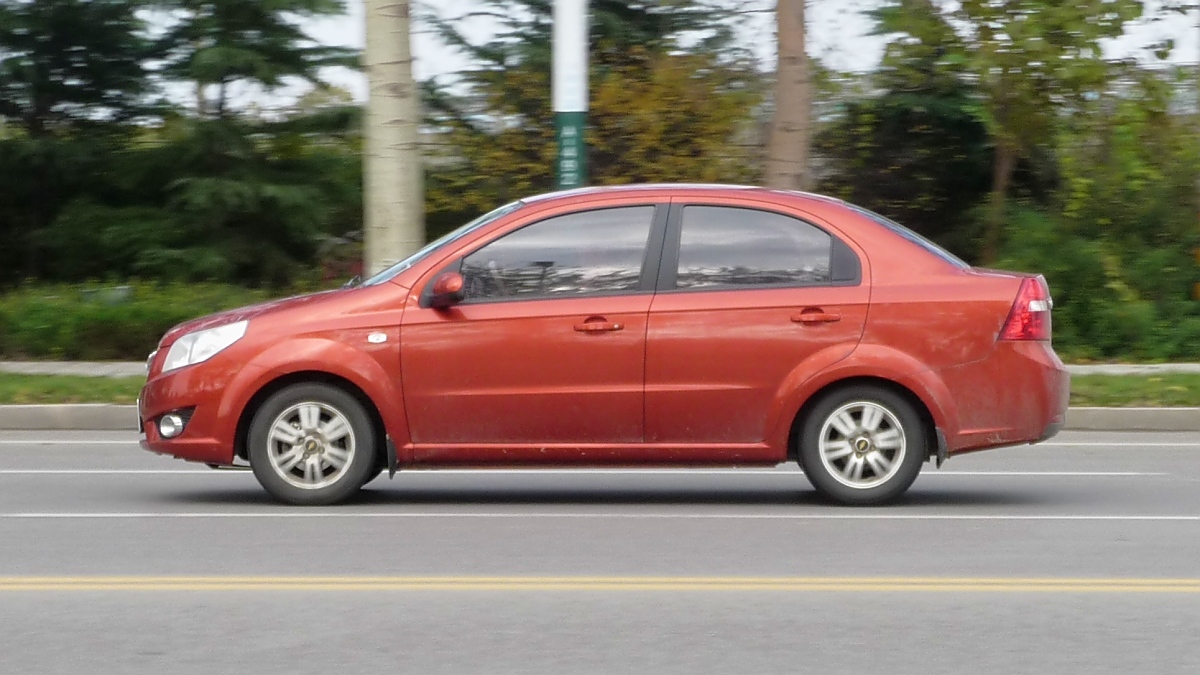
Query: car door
544,358
747,296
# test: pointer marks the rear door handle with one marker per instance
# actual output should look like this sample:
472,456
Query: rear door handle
816,317
598,325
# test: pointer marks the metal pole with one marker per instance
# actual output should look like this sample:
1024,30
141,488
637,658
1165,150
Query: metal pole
570,91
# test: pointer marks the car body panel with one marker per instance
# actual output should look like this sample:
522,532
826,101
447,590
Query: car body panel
717,359
520,372
1027,377
336,341
878,362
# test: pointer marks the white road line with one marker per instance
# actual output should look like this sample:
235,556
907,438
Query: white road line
1102,474
568,472
316,514
35,442
1060,444
1099,444
743,472
113,472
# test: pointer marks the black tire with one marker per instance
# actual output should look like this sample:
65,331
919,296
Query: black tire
873,472
334,483
373,474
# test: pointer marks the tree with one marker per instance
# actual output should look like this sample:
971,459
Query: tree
248,202
621,32
788,148
216,43
69,62
69,70
392,156
1029,60
671,99
920,158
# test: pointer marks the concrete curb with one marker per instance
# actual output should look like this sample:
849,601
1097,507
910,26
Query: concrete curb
106,417
72,417
1133,419
75,368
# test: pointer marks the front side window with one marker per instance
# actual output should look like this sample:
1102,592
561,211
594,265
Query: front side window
727,247
583,253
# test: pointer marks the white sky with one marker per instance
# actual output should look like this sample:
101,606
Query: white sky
838,35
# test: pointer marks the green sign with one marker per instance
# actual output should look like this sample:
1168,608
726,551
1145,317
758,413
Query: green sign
571,165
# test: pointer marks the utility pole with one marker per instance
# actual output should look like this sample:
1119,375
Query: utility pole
570,90
393,175
787,165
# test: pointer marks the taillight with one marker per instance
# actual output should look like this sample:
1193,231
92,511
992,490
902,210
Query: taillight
1030,315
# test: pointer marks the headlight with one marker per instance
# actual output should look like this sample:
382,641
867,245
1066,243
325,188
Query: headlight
202,345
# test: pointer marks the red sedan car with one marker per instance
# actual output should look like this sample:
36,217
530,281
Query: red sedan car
638,325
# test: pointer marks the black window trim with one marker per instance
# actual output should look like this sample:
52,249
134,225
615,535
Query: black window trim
646,282
845,267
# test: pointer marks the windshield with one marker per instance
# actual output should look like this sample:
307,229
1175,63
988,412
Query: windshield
391,272
913,237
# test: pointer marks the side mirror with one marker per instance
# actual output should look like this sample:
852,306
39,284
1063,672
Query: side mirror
447,290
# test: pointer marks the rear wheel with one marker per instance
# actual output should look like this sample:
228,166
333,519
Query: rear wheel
862,445
312,444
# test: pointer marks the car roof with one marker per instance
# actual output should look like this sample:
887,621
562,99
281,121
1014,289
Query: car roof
673,188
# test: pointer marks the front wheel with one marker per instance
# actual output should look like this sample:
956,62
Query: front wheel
862,445
311,444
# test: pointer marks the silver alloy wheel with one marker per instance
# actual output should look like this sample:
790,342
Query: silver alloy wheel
311,445
862,444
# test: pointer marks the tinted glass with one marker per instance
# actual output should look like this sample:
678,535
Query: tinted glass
391,272
913,237
724,246
576,254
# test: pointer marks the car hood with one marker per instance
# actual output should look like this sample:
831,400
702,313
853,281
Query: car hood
244,313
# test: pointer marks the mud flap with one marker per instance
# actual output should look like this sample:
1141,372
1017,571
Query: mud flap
941,447
391,458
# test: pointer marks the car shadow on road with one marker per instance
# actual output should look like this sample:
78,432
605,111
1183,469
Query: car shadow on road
385,495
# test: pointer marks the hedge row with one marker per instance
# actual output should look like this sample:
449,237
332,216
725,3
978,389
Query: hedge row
106,323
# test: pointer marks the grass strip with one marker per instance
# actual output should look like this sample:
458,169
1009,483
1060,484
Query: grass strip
1132,391
26,389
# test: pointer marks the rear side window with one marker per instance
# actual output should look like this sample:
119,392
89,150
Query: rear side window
912,236
729,247
590,252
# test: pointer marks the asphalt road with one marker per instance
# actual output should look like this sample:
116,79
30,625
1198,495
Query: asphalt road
1079,556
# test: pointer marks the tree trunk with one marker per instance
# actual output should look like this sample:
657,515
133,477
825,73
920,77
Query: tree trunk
393,173
1003,164
221,100
201,101
787,164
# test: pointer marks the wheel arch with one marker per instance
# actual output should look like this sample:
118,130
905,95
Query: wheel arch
242,431
923,411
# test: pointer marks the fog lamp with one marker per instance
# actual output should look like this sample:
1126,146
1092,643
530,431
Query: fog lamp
170,426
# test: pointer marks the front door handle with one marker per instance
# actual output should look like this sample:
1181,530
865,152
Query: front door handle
598,324
818,316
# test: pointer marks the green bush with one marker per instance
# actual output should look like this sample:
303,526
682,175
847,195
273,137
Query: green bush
102,323
1105,307
1113,300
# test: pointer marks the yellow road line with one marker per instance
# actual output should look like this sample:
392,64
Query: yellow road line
671,584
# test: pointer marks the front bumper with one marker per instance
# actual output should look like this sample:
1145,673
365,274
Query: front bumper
200,394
